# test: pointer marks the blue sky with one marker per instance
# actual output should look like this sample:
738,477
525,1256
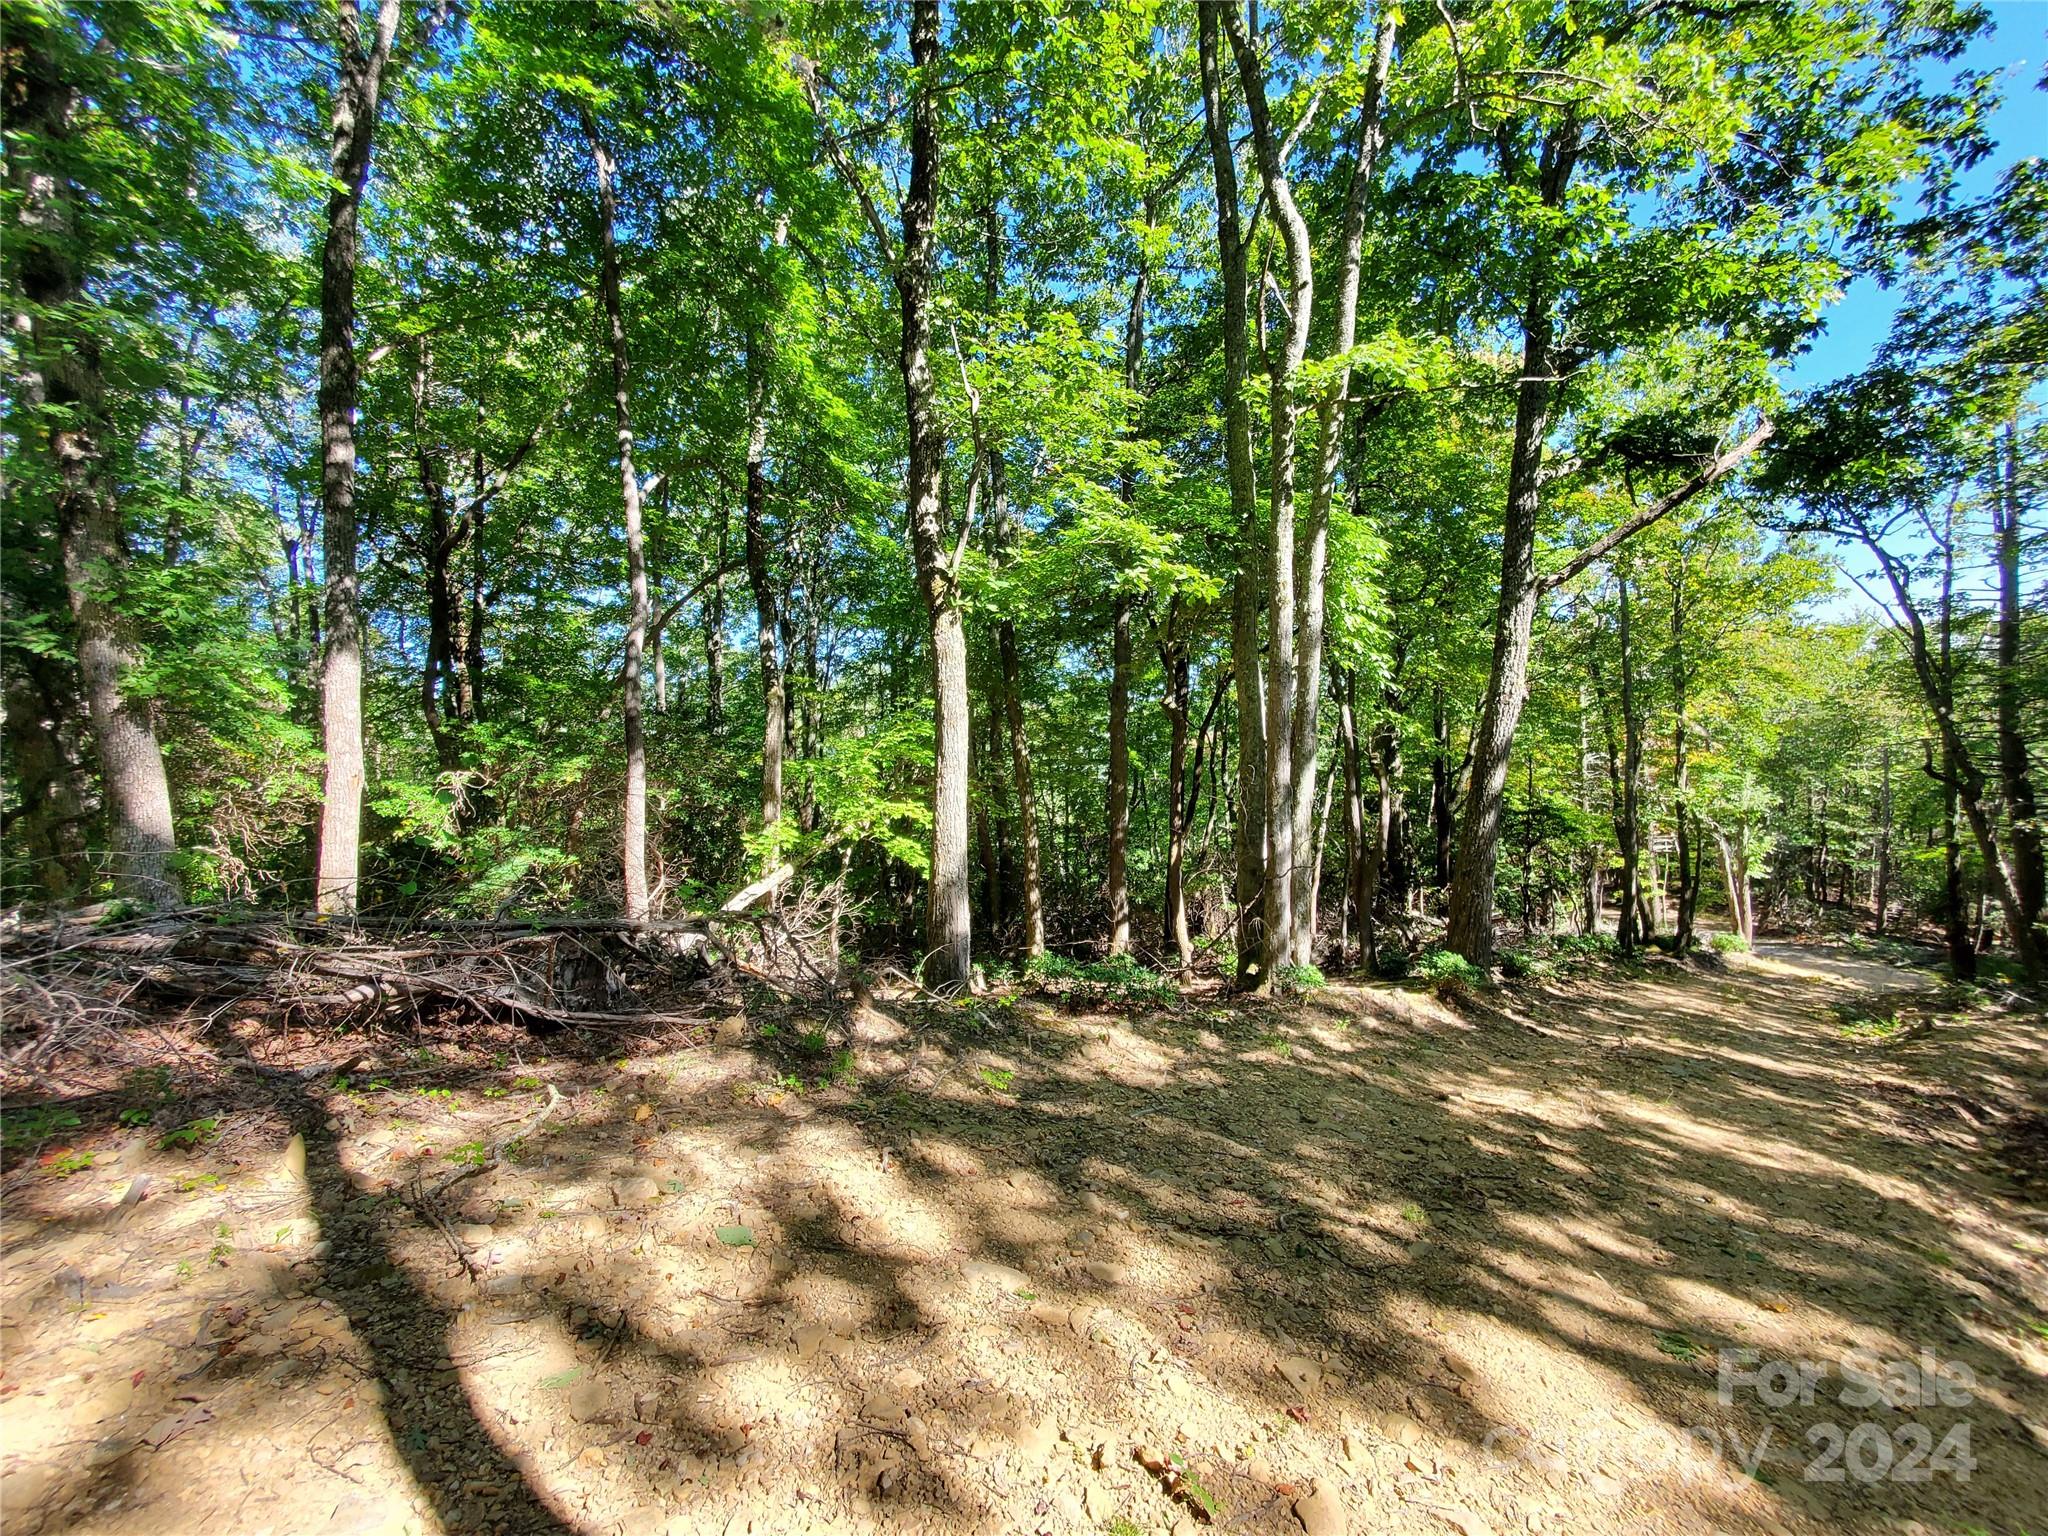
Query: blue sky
2017,46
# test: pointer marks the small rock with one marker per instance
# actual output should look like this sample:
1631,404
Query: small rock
1000,1275
1105,1273
1398,1427
295,1156
1035,1437
1302,1373
1097,1503
731,1030
1320,1511
816,1339
589,1400
635,1190
475,1233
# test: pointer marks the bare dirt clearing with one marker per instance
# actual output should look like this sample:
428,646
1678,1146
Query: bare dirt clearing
1358,1263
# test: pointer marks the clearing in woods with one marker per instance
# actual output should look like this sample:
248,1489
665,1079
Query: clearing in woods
1361,1262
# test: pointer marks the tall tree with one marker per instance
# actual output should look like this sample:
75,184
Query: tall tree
62,390
352,120
612,308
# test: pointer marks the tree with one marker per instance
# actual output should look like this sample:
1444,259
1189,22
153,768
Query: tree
352,116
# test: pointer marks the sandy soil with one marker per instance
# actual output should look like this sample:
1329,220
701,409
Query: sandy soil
1365,1263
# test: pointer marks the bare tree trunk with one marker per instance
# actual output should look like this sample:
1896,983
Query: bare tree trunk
948,921
1251,850
772,687
2015,771
1630,930
1174,659
1881,896
638,906
1365,148
1281,851
1357,907
60,383
352,122
1688,882
1936,677
50,820
714,633
1470,909
1115,888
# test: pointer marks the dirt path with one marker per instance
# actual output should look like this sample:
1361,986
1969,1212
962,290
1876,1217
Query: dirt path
1365,1262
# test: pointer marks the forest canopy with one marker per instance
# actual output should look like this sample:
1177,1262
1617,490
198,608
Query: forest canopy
1252,488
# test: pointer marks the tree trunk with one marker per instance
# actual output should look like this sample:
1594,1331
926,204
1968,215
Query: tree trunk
2015,771
714,632
1357,898
1632,928
638,907
1470,910
1688,882
1176,704
1881,896
60,383
1119,775
1443,796
1251,851
1365,149
772,686
948,933
50,820
1955,916
352,122
1935,674
1285,382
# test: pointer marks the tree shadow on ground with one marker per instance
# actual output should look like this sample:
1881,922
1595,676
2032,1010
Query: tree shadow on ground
1497,1230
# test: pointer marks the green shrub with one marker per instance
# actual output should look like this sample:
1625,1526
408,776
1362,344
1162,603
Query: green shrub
1437,964
1120,974
1728,944
1301,978
35,1124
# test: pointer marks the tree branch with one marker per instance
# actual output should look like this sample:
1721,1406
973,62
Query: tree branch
1664,505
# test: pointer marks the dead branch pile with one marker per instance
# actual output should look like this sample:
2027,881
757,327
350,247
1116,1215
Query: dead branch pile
73,989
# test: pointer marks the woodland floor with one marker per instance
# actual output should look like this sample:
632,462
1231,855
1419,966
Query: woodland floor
1364,1261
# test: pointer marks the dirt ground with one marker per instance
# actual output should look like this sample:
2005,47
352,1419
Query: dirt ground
1364,1262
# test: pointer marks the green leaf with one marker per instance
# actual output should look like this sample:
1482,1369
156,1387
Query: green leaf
736,1237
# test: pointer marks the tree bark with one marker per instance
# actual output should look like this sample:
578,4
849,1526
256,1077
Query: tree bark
766,630
714,633
1281,850
1470,910
1881,894
1688,878
1250,843
352,124
1116,885
1365,149
948,932
1355,914
1936,677
2015,771
1174,661
60,382
638,900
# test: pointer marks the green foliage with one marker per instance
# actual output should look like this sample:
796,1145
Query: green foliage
1728,943
192,1135
1451,973
1119,975
29,1126
1301,978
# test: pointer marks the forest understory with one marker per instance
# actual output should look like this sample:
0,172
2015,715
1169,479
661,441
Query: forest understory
1386,1257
